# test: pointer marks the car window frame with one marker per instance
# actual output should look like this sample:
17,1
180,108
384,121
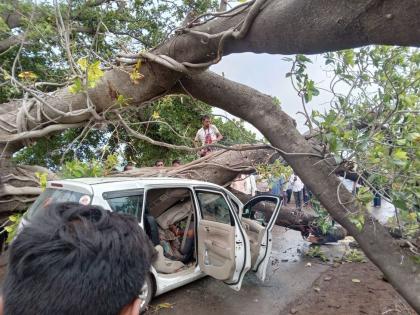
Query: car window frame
113,194
214,191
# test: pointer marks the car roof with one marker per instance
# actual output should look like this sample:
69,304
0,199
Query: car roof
140,182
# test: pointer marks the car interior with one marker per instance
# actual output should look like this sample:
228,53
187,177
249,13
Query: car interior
170,224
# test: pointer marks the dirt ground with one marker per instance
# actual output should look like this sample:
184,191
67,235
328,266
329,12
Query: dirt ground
338,291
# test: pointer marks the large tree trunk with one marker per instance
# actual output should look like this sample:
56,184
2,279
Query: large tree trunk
260,110
287,27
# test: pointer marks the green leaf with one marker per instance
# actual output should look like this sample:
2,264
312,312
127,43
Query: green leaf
76,87
83,63
364,195
94,73
349,57
400,154
303,58
358,220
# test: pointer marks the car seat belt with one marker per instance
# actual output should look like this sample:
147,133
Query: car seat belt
187,227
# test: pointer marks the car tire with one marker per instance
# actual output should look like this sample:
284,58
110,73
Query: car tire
146,293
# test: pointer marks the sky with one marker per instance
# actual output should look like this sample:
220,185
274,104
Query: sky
266,73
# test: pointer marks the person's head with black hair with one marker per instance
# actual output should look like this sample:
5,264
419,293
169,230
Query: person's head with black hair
73,259
159,163
176,163
205,121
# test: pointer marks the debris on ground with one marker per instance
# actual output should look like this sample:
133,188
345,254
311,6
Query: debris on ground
337,296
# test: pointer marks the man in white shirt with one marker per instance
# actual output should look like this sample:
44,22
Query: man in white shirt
297,187
208,134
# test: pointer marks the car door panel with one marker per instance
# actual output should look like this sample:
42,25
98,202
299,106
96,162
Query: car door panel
216,249
255,232
222,244
260,235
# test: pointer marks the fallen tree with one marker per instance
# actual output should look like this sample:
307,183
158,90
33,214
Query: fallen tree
288,27
21,185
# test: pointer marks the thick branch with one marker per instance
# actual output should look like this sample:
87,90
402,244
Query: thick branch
292,26
219,167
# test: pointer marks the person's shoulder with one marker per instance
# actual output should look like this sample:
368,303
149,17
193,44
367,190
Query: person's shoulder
214,127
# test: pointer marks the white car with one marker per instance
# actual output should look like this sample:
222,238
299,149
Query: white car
229,238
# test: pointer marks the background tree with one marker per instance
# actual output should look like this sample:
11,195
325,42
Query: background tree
372,129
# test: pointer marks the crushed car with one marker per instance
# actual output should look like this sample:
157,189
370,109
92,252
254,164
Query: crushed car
197,228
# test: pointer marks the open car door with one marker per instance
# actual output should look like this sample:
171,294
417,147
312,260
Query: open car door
259,229
223,250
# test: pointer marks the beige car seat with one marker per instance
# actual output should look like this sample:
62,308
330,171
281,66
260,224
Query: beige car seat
174,214
165,265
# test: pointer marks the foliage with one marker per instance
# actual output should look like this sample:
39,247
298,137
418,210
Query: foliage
373,122
273,171
49,151
316,252
12,228
173,120
93,168
92,73
95,28
410,221
43,179
354,255
323,220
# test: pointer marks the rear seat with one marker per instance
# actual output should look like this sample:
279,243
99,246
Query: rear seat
174,214
165,265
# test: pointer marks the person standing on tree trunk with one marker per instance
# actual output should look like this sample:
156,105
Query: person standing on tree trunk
208,134
297,187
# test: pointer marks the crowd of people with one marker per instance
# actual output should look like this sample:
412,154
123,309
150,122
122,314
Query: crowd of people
255,184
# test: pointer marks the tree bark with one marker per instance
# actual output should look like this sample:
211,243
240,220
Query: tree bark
220,167
19,187
260,110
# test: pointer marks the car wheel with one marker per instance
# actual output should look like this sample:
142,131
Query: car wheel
146,293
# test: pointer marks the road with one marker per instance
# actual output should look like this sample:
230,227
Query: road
286,281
